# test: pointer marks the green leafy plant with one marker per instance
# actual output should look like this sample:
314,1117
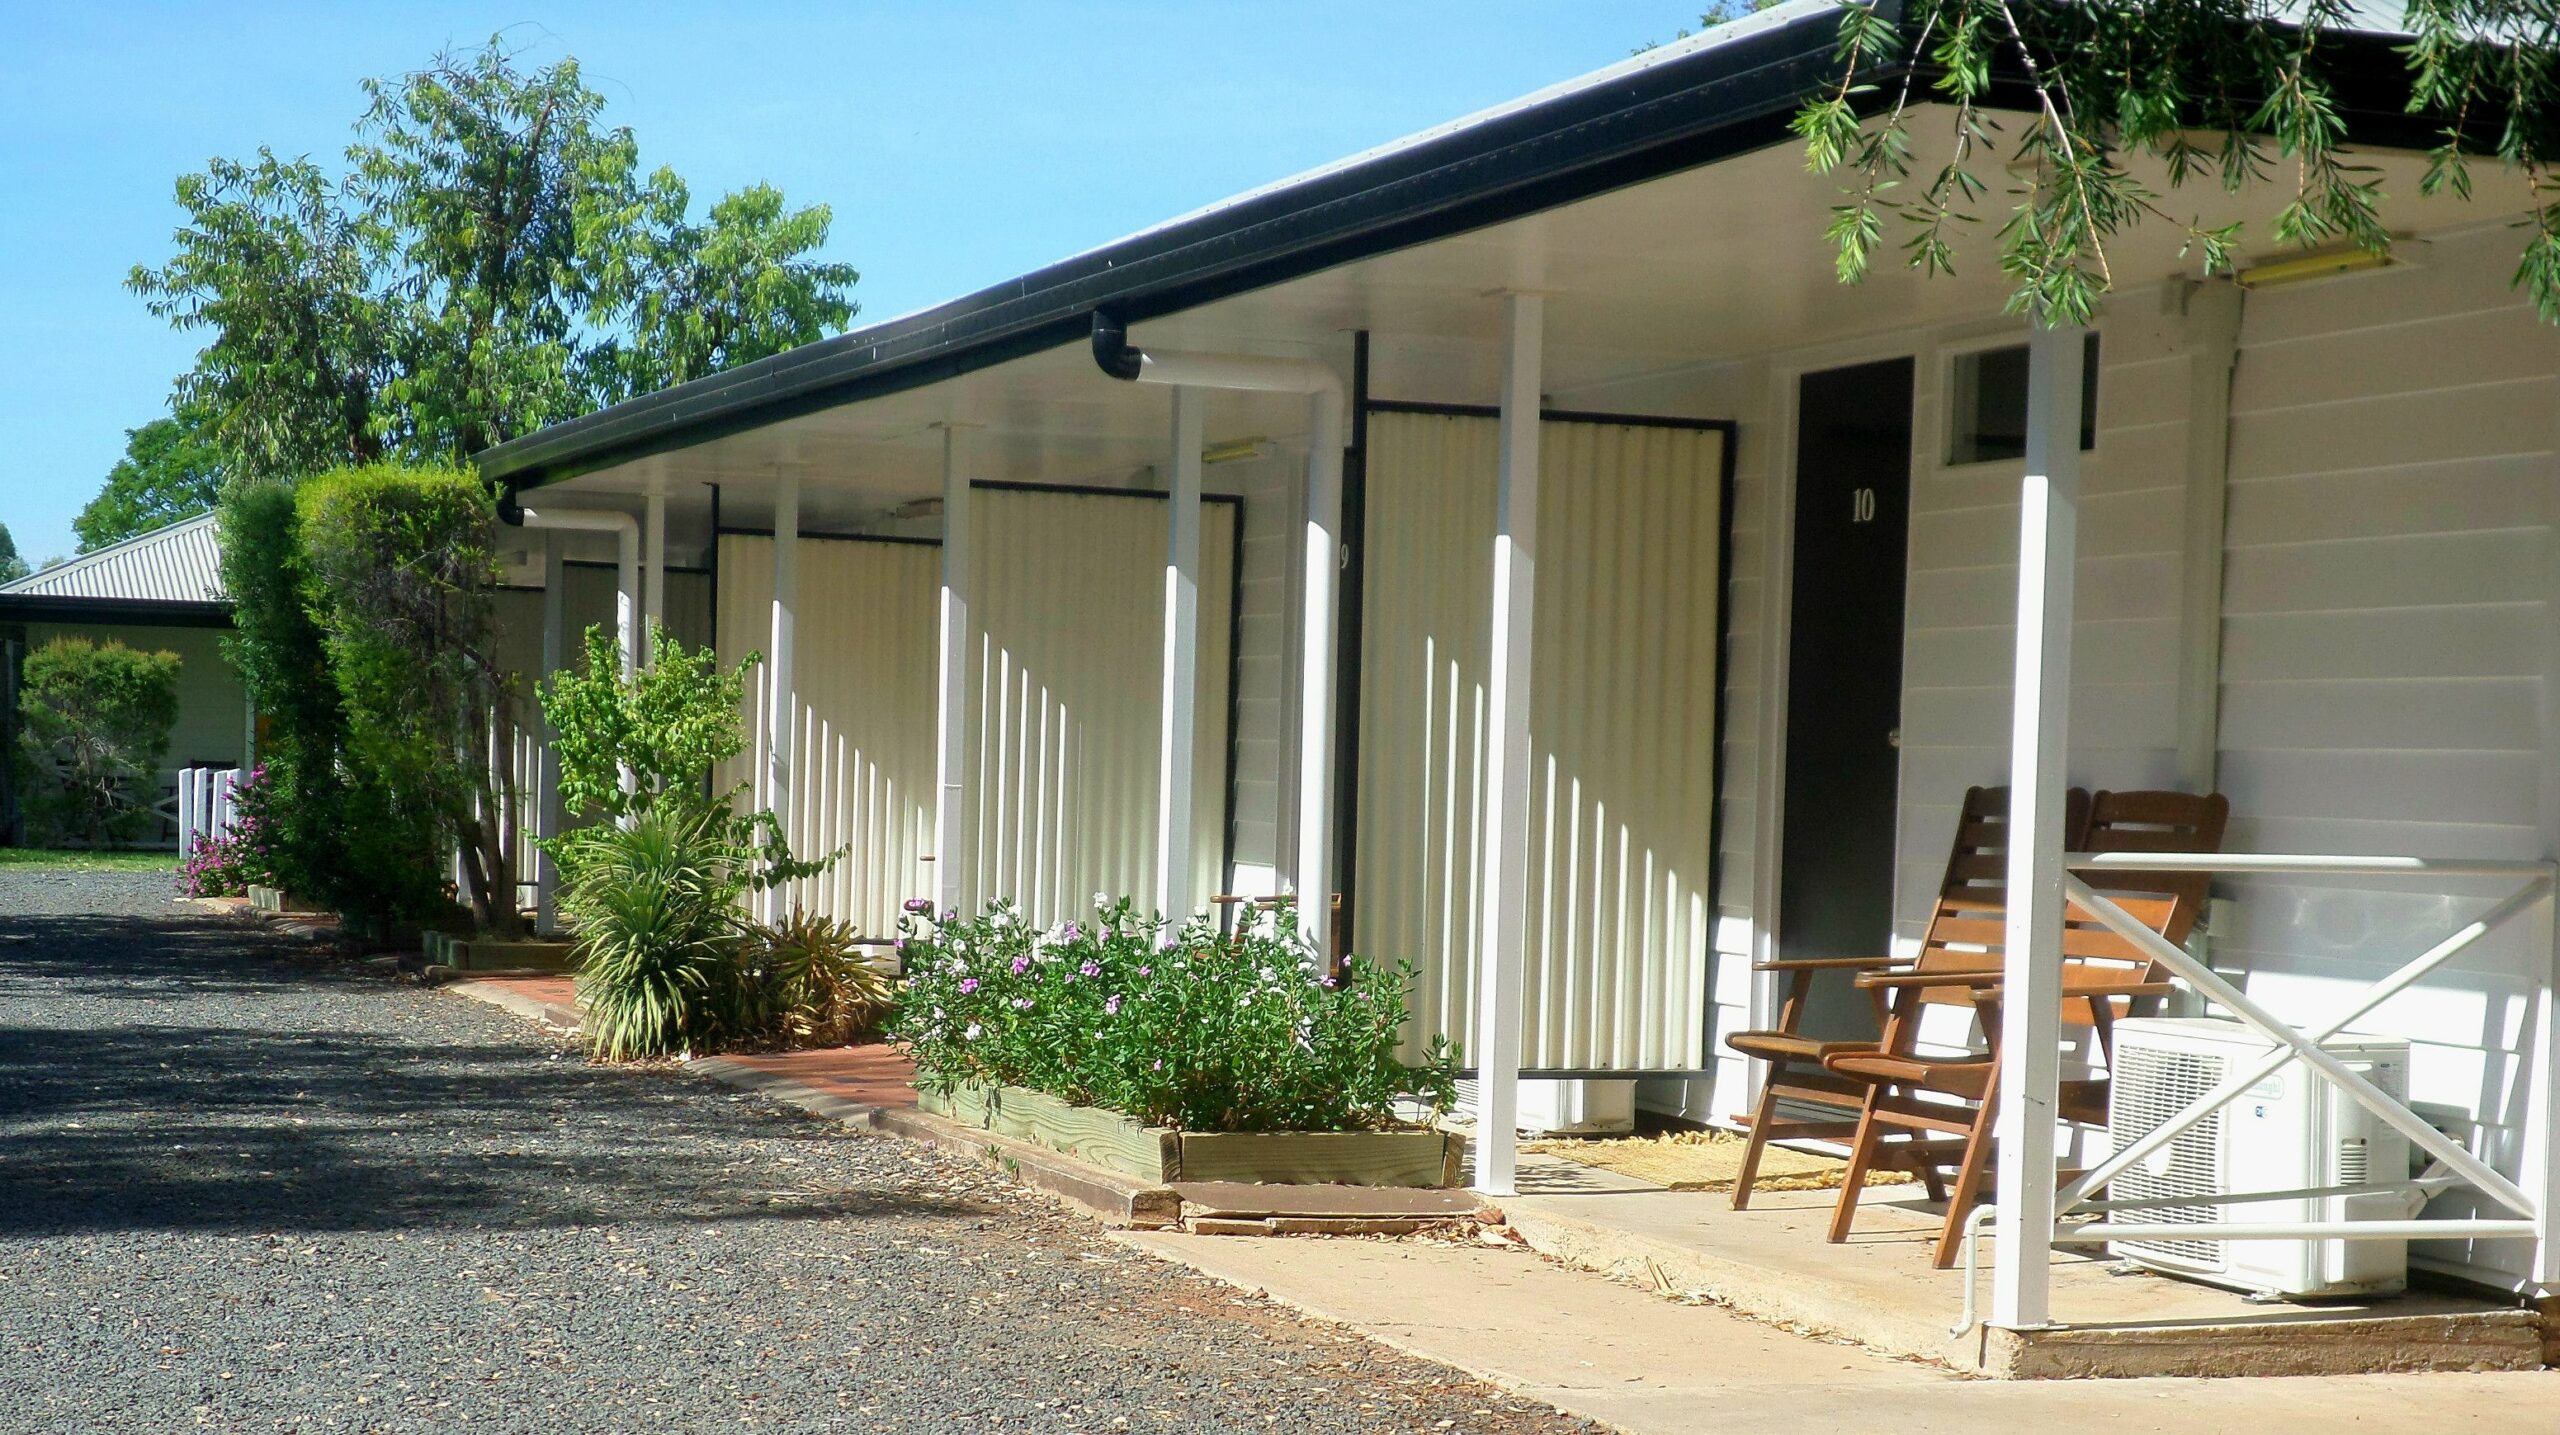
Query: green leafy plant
1194,1028
654,888
94,724
665,728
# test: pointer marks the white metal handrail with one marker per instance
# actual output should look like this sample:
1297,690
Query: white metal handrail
2454,1164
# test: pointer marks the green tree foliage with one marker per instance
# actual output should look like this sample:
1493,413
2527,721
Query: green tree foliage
490,261
2222,93
662,729
170,470
12,567
339,833
400,583
94,724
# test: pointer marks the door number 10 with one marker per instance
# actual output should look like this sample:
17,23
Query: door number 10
1862,505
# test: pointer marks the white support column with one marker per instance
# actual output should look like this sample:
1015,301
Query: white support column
1321,576
554,813
1174,897
1502,956
2031,1015
781,668
951,716
2544,1138
653,558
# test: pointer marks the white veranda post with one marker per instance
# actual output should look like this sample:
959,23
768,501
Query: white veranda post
1322,573
554,817
653,589
2031,1015
1502,938
1173,895
780,660
951,716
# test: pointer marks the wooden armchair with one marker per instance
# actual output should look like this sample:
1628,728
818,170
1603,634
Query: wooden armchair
1977,865
1942,1109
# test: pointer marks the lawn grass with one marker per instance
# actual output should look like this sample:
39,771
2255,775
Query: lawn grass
38,857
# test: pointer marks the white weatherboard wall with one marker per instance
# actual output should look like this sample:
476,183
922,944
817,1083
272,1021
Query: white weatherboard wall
2387,670
1959,633
1622,727
1067,635
864,689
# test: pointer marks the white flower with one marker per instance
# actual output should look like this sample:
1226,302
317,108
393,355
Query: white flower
972,1033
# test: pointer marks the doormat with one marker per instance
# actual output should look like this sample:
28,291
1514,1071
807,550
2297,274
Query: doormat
1709,1161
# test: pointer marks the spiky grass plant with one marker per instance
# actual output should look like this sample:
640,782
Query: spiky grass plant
654,904
815,982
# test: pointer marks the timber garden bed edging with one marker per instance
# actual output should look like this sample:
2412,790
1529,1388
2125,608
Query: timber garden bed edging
489,954
1419,1159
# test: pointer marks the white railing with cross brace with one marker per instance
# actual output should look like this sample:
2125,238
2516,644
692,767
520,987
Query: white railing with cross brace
2536,1215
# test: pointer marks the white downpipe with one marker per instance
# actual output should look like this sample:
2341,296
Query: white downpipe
1174,777
781,667
2031,1014
626,578
653,573
951,720
1321,555
1502,954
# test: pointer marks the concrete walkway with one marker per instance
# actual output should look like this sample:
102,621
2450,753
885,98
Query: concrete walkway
1656,1367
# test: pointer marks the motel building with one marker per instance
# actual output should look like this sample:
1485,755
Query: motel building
1516,545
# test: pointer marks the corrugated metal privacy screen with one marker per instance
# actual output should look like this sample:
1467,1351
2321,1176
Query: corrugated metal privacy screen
864,729
1069,645
1622,722
1067,637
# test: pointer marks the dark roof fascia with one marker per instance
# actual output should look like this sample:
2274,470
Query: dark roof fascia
1680,114
131,612
1657,120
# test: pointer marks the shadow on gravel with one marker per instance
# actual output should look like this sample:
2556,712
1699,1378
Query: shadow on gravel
128,1118
186,952
225,1130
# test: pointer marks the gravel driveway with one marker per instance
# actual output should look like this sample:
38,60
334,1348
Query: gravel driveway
246,1188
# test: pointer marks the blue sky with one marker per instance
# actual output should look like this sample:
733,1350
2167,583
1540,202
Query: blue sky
959,142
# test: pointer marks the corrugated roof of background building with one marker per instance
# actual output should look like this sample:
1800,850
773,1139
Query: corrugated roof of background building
181,563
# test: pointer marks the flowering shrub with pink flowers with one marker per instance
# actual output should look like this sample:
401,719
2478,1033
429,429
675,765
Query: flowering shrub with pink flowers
224,864
1188,1028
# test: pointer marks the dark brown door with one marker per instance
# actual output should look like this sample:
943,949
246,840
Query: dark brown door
1844,675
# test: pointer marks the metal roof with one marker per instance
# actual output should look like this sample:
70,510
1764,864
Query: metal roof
180,563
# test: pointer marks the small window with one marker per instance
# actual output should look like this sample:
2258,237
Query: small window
1989,410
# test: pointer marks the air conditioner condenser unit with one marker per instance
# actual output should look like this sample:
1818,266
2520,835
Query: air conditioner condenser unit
2293,1131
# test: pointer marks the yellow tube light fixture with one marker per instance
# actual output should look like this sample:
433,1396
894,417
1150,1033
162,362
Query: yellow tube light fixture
1230,452
2318,264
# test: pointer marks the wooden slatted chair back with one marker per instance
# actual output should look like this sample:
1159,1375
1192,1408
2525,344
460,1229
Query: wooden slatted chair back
1964,933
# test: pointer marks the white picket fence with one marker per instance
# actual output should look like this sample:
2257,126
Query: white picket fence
205,796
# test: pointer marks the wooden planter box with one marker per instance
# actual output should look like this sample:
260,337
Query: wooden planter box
487,954
1108,1139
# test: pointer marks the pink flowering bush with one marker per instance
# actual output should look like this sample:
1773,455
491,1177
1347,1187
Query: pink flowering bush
1192,1029
226,863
